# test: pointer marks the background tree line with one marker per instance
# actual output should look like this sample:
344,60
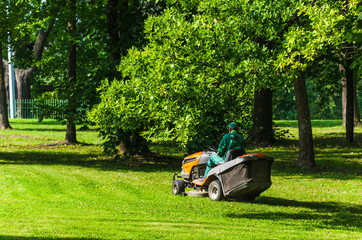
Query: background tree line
181,70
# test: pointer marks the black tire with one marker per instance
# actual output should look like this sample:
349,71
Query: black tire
178,187
215,191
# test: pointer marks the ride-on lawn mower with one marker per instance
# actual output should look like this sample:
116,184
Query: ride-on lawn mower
242,176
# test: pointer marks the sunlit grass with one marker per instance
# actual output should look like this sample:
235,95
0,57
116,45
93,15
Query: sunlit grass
49,190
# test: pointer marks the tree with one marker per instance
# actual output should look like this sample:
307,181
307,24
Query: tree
122,21
71,136
306,147
23,75
74,61
349,102
29,17
114,9
347,99
263,116
6,22
188,82
203,61
357,114
4,120
350,57
305,42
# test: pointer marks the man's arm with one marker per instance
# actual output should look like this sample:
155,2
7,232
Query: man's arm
222,146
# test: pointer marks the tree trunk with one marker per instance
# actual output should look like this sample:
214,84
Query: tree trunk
344,94
113,16
350,101
306,151
6,77
263,116
114,35
132,143
357,115
4,119
22,76
70,136
122,148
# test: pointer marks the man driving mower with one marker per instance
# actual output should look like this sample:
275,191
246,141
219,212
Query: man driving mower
231,140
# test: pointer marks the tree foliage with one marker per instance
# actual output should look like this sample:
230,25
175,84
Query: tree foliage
187,68
18,18
204,60
185,83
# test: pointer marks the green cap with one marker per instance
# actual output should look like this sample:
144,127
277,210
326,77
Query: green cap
233,125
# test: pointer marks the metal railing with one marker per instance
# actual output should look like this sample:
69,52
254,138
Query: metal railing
33,109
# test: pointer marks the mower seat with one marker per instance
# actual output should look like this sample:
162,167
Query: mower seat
234,153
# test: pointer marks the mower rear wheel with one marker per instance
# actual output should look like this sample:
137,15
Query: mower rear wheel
178,187
215,191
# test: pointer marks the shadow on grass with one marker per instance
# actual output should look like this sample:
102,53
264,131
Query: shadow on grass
333,161
151,163
332,167
47,126
50,130
334,157
327,168
328,140
337,140
54,130
330,213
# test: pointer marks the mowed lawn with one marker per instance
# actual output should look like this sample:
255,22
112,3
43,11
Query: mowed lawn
49,190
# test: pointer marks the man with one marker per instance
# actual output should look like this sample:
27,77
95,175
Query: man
231,140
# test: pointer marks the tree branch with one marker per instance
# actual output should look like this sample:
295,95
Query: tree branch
39,44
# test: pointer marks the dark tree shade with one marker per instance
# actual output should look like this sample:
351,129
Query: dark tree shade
263,116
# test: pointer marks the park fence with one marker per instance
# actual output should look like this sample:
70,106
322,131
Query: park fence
34,109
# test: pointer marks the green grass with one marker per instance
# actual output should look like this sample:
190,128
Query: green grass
49,190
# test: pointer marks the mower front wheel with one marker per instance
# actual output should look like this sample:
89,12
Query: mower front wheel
178,187
215,191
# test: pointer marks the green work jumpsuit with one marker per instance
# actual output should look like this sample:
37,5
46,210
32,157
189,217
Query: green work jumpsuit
232,140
